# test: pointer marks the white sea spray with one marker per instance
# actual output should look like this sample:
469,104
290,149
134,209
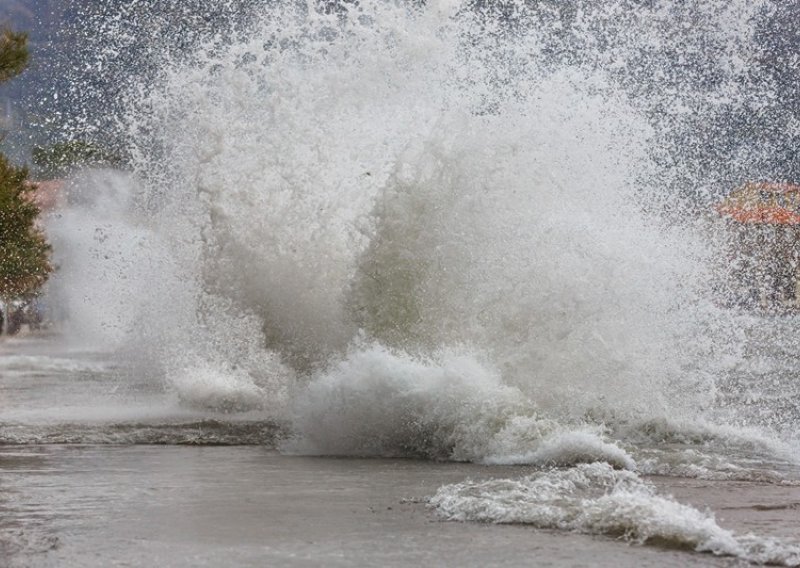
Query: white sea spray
376,219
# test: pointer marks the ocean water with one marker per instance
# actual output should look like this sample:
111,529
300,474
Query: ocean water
99,468
460,233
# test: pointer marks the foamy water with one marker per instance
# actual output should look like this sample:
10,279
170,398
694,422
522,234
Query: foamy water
594,498
446,232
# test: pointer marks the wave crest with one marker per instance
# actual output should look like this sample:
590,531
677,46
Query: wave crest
596,499
379,402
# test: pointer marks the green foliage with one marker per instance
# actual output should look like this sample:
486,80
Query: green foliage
13,54
59,159
24,252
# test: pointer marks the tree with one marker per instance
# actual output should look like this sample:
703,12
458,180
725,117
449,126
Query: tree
24,252
13,54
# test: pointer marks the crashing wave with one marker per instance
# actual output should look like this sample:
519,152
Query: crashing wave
597,499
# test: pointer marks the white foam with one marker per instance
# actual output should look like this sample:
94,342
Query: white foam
707,444
379,402
570,448
217,389
596,499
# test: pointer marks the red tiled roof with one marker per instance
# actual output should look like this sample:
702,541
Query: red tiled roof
763,203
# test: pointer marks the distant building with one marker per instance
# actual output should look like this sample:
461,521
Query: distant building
763,257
